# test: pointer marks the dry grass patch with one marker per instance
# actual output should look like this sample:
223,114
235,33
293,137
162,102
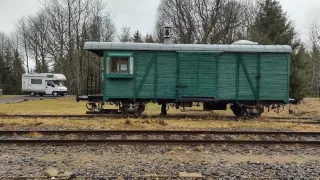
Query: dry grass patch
309,107
204,120
46,106
139,124
7,96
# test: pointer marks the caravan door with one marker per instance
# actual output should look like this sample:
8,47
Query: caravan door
49,87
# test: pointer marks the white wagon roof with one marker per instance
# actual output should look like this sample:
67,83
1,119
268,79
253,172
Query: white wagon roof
236,47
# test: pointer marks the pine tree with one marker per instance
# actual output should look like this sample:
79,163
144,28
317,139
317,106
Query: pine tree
298,77
149,39
17,70
272,27
137,37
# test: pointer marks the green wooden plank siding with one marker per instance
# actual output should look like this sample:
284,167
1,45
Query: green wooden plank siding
188,75
205,75
245,91
167,75
115,88
274,77
227,66
142,61
198,73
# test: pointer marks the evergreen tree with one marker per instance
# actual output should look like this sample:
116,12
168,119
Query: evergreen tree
18,70
137,37
272,27
298,77
149,39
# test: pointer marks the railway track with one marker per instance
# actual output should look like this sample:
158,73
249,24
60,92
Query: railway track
157,137
315,120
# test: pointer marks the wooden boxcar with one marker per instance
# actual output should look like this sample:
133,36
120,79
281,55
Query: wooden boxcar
246,76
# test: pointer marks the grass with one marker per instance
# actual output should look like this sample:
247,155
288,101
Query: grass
66,105
138,124
7,96
204,120
242,138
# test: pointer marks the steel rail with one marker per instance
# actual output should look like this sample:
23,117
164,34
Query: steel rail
128,177
143,116
159,132
169,117
150,141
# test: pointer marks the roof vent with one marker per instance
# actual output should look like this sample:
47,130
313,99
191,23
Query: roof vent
167,39
245,42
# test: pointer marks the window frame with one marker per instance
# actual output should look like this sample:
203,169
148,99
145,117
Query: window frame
108,64
119,67
35,80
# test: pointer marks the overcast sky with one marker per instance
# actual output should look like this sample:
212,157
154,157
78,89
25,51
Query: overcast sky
141,14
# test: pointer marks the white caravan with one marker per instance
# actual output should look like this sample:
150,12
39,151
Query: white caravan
44,83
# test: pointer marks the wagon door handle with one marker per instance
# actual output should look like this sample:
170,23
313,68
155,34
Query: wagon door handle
259,75
181,86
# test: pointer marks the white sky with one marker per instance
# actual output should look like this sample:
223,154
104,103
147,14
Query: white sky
141,14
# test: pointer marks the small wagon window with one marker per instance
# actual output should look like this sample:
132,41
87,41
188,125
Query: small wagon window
119,65
114,68
124,62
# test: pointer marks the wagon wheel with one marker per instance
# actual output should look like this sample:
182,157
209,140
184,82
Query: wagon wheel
244,112
124,111
237,110
140,110
138,113
261,110
240,111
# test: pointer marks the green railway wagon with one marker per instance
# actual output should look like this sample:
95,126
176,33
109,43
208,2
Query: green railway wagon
245,75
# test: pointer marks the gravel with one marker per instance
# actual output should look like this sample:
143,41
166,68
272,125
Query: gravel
223,161
174,136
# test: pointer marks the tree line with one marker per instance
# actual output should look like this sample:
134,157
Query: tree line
52,39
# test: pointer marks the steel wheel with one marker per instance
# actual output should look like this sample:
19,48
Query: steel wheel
32,94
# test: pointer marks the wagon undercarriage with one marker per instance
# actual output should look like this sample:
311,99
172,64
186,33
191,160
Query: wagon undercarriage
249,109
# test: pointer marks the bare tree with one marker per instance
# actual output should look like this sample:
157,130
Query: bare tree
203,21
125,34
53,38
314,58
23,34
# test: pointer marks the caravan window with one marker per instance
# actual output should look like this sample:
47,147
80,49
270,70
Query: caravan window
36,81
49,76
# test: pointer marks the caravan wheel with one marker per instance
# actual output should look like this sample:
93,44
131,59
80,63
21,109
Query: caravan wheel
55,94
32,94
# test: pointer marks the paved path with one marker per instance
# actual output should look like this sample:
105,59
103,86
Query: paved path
17,98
